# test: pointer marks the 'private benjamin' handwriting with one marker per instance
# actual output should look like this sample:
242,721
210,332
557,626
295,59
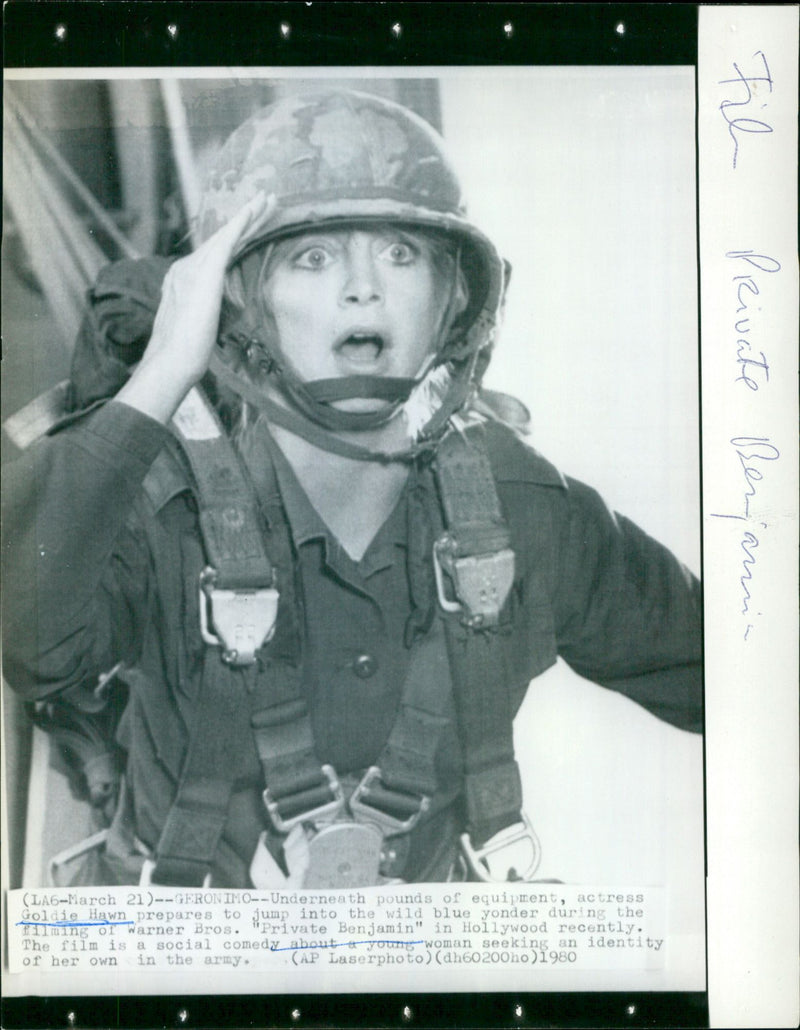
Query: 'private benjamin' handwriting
751,452
753,364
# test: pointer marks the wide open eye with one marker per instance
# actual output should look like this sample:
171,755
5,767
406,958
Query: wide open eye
314,257
400,252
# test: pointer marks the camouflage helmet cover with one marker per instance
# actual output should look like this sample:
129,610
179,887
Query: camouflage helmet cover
343,156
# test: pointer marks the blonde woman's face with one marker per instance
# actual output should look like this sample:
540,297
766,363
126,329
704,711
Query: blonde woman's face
351,302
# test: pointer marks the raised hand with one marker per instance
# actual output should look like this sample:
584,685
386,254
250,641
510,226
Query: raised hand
187,320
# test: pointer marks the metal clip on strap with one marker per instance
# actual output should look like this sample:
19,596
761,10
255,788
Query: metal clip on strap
240,617
325,812
519,863
372,791
481,582
475,550
238,621
474,554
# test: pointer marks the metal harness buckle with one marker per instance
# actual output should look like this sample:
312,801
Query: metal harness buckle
343,855
388,823
325,812
242,620
481,582
521,832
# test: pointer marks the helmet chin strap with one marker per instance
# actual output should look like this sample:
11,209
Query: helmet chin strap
301,425
315,399
311,414
345,388
457,396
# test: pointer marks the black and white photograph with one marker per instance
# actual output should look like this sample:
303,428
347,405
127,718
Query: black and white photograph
352,517
290,648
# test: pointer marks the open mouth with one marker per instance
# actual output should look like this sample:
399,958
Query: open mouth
361,348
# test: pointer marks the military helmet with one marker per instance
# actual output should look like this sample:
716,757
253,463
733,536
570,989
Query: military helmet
343,157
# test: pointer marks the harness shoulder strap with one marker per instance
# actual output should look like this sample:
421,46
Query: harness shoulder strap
474,568
239,602
472,556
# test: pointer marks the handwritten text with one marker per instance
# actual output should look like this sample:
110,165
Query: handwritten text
751,451
737,113
753,364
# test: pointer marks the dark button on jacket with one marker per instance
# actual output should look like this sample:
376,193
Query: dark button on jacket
365,666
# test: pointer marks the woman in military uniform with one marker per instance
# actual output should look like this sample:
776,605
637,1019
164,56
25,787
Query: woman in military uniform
288,516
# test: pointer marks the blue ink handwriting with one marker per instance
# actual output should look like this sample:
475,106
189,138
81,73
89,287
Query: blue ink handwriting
70,922
746,289
750,450
343,944
728,108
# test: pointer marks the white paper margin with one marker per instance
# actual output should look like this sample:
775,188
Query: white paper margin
751,684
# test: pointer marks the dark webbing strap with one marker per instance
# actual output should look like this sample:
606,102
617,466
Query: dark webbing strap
492,785
280,720
283,731
286,750
229,518
389,388
407,762
303,427
194,825
278,713
233,531
282,728
469,497
229,524
473,517
329,418
299,424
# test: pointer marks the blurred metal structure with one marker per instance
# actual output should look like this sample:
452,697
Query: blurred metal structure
45,197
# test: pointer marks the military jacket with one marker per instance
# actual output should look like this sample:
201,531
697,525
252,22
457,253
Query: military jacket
103,556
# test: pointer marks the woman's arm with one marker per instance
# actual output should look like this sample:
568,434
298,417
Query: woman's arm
186,324
75,568
75,563
628,613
